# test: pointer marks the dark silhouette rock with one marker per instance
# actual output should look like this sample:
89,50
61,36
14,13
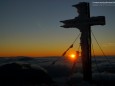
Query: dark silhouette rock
15,74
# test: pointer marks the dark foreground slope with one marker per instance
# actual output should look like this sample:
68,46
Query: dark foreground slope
15,74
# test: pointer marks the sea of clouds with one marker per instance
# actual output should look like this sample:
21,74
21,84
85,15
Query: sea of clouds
103,70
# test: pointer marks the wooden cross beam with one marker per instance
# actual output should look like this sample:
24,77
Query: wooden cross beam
84,22
79,22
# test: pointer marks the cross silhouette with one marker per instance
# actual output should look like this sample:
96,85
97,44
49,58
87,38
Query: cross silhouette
84,22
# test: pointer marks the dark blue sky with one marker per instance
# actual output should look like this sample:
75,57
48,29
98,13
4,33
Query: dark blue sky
33,26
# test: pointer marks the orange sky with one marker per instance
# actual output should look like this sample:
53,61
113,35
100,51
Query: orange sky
32,28
53,51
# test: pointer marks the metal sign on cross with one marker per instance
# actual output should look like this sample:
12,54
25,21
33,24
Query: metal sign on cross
84,22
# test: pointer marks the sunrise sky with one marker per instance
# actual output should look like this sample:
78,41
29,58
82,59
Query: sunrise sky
32,27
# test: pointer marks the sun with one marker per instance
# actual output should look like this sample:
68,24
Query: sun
72,56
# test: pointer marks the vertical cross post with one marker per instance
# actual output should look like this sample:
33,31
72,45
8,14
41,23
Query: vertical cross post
85,40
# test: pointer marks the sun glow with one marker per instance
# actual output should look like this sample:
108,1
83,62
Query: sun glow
72,56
